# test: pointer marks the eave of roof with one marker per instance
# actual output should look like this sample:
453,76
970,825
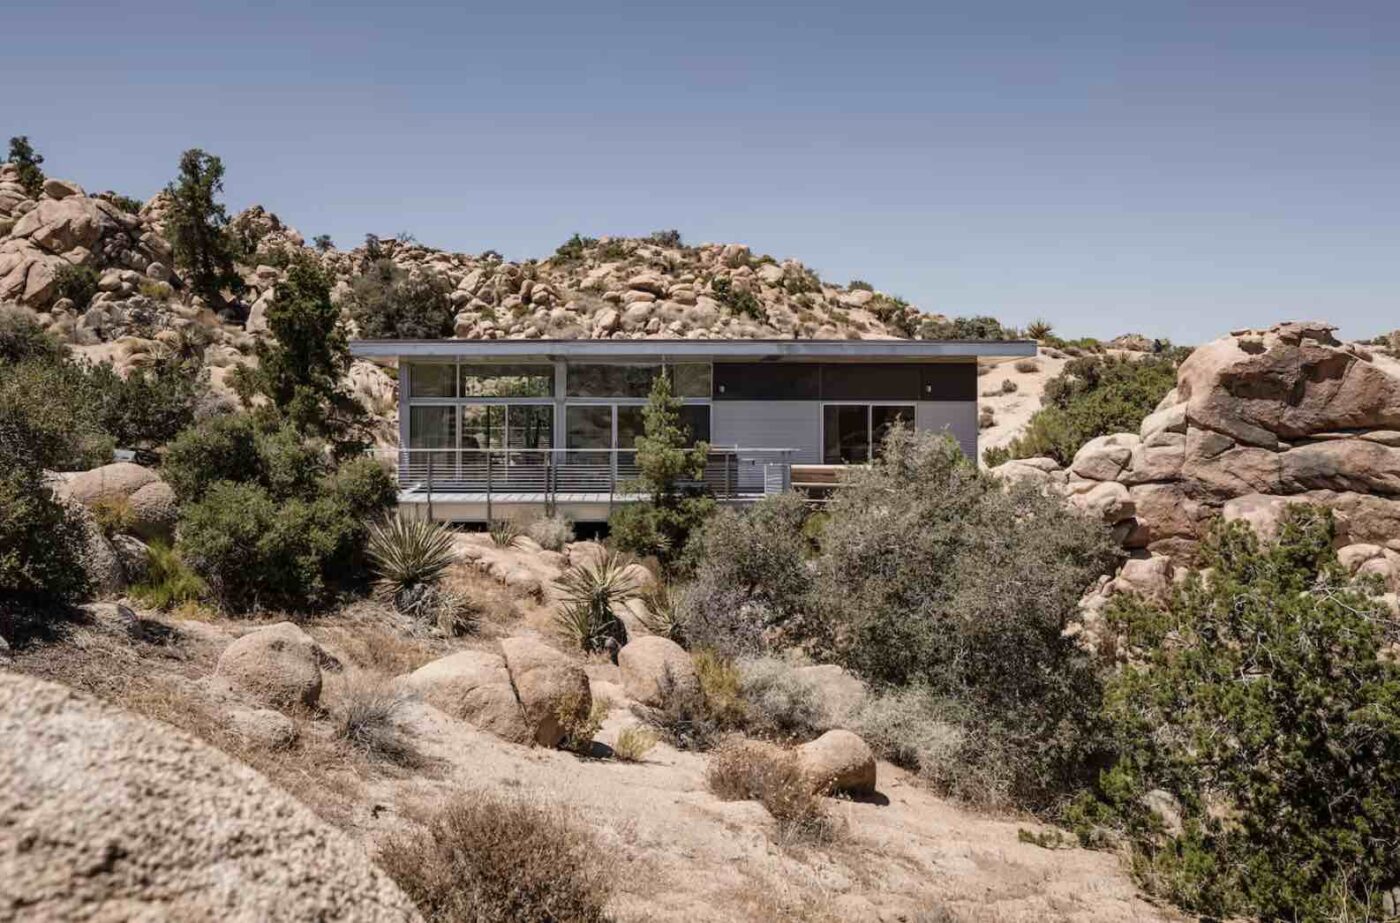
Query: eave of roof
770,350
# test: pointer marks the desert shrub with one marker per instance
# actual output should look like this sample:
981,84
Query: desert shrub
486,859
365,713
169,582
933,572
721,689
76,283
896,313
504,532
22,338
126,203
667,238
113,515
49,408
149,407
747,770
551,532
634,742
390,303
986,417
663,612
685,719
42,542
1094,396
589,596
740,301
1039,329
1027,366
409,558
964,328
240,449
752,582
23,156
779,703
1259,699
574,249
580,722
669,472
860,285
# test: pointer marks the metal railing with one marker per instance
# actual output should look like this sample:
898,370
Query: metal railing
730,473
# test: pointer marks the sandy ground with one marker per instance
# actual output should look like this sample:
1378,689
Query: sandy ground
1013,411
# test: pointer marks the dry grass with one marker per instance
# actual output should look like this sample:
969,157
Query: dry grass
633,744
494,605
368,636
751,770
365,712
487,859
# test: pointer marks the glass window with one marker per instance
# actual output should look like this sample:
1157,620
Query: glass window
630,424
847,434
691,379
432,427
588,427
432,379
483,426
611,380
882,419
696,418
487,380
530,426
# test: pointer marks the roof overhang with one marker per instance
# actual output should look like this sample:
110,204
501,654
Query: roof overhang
700,350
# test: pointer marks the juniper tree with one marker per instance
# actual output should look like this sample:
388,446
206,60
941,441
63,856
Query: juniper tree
198,226
23,155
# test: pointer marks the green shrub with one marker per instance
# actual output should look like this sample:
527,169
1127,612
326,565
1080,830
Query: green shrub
1094,396
1259,700
113,515
504,532
487,859
589,596
934,573
860,285
964,328
169,582
76,283
390,303
21,338
670,238
740,301
1039,329
124,202
574,249
55,408
198,227
236,448
409,557
42,542
751,581
23,156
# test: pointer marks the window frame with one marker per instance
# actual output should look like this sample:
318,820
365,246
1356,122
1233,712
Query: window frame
869,406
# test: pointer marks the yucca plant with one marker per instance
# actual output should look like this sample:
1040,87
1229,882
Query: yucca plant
409,557
504,532
663,613
589,595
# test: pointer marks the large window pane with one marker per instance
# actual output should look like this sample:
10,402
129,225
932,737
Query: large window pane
847,434
696,419
530,426
588,427
630,425
611,380
432,427
691,379
483,426
432,379
882,419
488,380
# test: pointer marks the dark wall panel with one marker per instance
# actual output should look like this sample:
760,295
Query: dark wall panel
953,381
767,381
845,381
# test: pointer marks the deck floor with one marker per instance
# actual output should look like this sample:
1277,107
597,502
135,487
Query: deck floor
499,496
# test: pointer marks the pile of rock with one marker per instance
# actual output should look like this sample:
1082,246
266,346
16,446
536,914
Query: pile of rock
1259,419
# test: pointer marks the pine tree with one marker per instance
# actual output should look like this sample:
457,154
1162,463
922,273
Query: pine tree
198,226
22,155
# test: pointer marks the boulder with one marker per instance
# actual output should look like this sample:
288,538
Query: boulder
647,662
1359,465
1105,457
1159,458
108,816
61,188
63,225
1225,469
838,762
119,480
1264,513
1150,577
1106,500
475,687
263,727
1169,419
548,684
103,566
278,666
154,511
134,557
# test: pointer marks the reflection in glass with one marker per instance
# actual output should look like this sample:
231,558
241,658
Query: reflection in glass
847,429
691,379
696,420
882,419
499,380
483,426
611,380
429,379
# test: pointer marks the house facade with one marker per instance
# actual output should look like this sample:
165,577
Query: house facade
494,428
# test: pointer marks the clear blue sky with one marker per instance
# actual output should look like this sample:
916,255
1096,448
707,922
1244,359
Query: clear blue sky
1174,168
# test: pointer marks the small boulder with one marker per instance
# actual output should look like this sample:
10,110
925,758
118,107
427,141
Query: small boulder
153,511
838,761
109,482
278,665
263,727
475,687
646,662
549,685
134,557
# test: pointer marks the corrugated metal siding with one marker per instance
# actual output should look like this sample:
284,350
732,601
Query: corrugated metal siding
958,417
769,425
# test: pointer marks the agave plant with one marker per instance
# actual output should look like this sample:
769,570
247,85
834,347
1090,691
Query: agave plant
504,532
663,614
409,557
589,596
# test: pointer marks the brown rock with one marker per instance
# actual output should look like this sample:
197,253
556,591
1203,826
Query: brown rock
1104,458
1359,465
112,817
119,480
1224,469
475,687
548,684
154,511
648,662
838,761
278,666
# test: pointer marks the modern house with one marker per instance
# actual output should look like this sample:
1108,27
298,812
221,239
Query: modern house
495,428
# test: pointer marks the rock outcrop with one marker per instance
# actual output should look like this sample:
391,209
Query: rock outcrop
107,816
1259,419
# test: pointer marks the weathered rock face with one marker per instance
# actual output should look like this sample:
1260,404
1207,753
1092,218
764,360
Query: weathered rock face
651,665
112,817
474,686
278,666
548,684
1258,420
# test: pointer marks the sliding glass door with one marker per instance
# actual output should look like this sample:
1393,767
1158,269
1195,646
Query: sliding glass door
852,434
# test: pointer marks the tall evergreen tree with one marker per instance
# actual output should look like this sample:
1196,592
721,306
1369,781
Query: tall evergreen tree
22,155
198,226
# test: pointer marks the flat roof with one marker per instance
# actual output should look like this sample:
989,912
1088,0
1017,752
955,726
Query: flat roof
764,350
